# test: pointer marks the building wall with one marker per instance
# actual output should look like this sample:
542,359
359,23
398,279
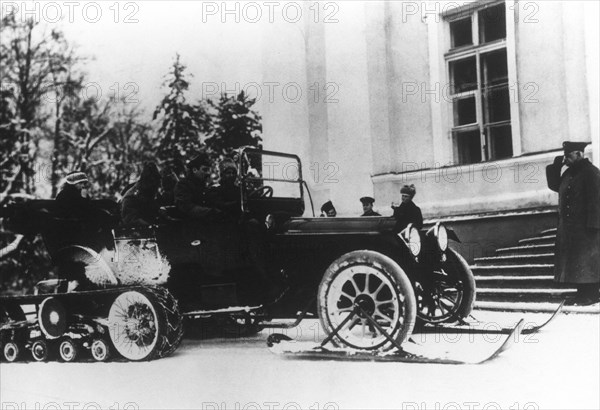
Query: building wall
552,76
390,121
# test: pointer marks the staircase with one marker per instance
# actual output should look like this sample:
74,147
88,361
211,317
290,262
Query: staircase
520,278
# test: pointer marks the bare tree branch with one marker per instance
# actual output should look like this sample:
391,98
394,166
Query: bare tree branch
9,181
11,247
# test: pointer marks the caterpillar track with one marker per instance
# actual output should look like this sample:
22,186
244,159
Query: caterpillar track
131,323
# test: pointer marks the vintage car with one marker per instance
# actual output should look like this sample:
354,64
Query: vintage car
262,260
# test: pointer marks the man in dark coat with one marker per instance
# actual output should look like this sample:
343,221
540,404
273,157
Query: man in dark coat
191,192
367,205
577,250
407,212
140,205
70,201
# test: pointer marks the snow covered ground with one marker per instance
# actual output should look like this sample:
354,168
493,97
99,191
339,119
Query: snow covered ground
556,368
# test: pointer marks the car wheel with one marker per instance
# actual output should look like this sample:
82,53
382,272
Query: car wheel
380,287
450,295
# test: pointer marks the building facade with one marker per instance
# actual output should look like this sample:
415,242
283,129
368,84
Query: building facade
468,101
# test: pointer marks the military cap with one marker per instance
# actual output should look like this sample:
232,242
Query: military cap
75,177
570,146
327,206
367,200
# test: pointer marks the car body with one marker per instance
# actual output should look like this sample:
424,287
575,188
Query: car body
267,260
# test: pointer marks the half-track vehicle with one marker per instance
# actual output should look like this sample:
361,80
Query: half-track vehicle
262,264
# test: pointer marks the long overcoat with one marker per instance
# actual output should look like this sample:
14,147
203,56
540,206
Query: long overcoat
577,249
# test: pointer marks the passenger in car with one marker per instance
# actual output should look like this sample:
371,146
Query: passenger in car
168,180
72,201
140,202
191,192
367,205
407,212
328,210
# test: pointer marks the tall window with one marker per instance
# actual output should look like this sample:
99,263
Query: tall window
477,68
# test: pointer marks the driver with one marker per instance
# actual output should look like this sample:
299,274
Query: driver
226,195
191,192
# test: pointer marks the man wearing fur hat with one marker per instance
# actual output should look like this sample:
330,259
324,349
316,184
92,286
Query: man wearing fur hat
407,212
328,210
577,252
71,200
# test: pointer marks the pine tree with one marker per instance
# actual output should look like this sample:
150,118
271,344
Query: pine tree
234,124
182,125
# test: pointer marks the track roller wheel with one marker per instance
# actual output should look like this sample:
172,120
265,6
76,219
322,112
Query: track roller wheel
11,352
39,351
100,350
68,350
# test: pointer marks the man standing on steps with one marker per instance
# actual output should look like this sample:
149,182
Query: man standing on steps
578,237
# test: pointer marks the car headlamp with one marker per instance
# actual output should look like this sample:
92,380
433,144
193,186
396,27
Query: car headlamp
441,235
411,236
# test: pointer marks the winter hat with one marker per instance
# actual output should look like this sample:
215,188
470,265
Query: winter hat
75,178
408,189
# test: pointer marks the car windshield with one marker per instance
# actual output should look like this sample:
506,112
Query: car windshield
280,172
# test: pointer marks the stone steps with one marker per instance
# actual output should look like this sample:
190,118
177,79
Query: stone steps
539,240
526,250
539,259
512,270
515,282
521,278
524,295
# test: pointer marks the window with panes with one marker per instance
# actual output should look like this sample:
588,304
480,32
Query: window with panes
479,91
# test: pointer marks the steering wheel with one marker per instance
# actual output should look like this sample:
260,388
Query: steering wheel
264,191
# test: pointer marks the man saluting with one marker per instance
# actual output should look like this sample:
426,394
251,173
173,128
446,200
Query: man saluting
577,259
